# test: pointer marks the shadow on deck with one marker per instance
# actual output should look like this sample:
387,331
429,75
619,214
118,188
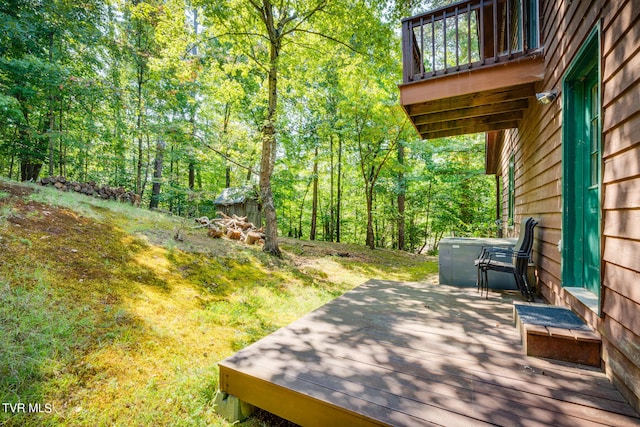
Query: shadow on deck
408,354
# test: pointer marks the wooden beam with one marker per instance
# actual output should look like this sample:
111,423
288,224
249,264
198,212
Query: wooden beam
528,69
482,110
470,129
476,99
305,408
493,144
471,121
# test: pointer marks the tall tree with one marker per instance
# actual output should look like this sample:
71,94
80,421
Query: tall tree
376,128
276,23
339,188
375,147
143,18
157,174
401,197
314,203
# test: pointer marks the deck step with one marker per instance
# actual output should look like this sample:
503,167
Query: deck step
556,333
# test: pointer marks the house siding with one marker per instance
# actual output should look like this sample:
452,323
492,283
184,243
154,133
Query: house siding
537,145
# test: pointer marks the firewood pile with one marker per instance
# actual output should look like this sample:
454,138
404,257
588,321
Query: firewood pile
233,227
90,188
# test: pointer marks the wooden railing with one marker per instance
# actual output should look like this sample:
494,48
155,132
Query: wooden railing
469,34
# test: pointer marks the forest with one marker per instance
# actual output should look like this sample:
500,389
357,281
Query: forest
176,100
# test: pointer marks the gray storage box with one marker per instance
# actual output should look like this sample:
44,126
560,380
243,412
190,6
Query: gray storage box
456,257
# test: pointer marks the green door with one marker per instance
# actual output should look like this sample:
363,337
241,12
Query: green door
581,174
591,188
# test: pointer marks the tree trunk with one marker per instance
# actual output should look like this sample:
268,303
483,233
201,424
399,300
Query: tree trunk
401,197
225,136
426,223
394,226
314,204
266,169
157,175
192,174
301,210
288,216
331,210
50,113
141,64
339,188
268,206
268,158
139,131
13,158
412,233
85,148
192,160
30,165
146,167
84,152
372,159
370,234
62,150
29,171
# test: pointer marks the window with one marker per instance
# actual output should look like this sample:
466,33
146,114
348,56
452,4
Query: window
512,190
532,24
520,19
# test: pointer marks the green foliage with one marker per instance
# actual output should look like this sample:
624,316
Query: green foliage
91,90
38,336
38,48
113,328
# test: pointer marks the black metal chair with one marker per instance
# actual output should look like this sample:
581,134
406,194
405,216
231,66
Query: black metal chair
486,250
514,261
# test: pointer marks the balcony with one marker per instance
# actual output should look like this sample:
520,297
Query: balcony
470,67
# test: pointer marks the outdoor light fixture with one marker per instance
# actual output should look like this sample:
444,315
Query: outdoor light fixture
545,98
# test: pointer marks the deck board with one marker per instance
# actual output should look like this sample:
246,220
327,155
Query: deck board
405,354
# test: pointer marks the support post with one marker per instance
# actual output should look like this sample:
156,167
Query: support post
231,408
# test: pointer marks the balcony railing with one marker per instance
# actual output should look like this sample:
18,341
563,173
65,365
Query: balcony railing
467,35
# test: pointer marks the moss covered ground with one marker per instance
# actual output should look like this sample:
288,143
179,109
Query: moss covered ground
107,319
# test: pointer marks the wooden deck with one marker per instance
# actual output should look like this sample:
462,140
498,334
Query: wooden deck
410,354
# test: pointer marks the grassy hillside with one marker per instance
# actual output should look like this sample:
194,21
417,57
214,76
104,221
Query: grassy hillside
106,319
